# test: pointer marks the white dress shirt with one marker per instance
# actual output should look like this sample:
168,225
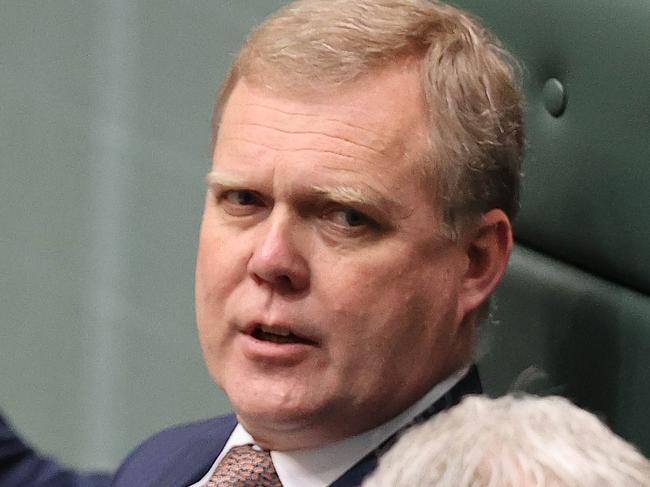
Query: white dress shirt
319,467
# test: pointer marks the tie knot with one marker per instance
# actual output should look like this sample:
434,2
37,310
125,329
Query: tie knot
245,466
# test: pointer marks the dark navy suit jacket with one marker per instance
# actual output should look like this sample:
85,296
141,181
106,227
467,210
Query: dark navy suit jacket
21,466
180,456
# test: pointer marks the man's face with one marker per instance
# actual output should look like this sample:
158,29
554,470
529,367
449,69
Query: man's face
327,300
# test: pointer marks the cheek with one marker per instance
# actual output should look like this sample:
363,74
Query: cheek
220,256
358,298
391,301
219,268
214,281
386,280
208,264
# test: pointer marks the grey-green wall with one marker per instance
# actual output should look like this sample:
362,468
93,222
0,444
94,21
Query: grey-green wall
104,128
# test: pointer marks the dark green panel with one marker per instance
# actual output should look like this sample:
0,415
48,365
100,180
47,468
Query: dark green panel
587,177
591,338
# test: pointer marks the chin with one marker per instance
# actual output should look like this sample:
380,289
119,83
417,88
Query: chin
279,429
272,412
281,432
298,425
263,415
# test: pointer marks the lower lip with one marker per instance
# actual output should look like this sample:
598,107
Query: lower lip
271,352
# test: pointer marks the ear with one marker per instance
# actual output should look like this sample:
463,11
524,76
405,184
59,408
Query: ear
487,246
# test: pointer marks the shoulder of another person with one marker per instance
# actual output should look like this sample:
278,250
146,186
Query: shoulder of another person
20,465
187,446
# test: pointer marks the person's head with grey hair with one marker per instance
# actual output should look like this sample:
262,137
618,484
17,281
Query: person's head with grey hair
512,441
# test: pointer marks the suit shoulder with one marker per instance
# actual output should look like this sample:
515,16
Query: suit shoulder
165,447
180,435
20,465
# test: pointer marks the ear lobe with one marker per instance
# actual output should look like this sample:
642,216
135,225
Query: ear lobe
488,246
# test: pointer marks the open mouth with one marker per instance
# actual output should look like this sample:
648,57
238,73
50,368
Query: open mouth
277,335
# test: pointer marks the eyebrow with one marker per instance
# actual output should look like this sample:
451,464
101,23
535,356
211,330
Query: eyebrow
352,196
220,178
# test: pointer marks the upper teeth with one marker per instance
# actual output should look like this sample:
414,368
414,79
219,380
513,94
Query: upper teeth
275,331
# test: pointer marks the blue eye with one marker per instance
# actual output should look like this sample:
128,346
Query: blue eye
354,218
241,197
240,202
350,218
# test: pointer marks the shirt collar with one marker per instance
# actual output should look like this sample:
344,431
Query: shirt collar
319,467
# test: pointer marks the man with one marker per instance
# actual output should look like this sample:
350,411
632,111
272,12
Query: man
22,466
512,441
358,216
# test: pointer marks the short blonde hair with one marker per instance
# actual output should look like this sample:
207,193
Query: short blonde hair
512,442
471,87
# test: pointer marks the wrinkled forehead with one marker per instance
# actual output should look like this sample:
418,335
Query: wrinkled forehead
384,110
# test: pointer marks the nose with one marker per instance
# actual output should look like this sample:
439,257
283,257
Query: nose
277,260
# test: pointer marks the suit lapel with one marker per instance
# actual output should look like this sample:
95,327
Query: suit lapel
469,384
191,462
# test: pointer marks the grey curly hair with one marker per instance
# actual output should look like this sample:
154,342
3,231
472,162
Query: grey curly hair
513,441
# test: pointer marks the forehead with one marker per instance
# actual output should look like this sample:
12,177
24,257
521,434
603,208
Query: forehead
380,115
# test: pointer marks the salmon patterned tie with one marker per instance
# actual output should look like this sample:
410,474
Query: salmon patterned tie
245,466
